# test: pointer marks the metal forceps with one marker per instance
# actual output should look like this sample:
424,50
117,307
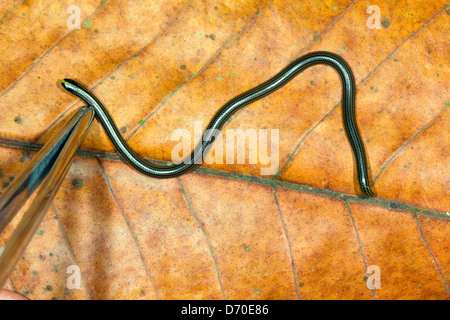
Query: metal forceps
46,170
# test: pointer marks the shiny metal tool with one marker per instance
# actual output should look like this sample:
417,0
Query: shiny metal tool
46,172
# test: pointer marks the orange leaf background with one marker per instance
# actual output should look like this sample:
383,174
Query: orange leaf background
225,231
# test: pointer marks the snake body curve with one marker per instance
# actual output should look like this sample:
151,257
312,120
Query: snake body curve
218,121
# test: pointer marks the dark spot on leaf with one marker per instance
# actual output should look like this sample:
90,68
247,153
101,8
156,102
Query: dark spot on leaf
183,66
394,205
78,183
385,23
48,288
87,24
18,120
123,129
213,37
25,154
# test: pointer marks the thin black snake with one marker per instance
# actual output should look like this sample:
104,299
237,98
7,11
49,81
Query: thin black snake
218,121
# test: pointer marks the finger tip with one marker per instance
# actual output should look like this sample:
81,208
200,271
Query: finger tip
10,295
